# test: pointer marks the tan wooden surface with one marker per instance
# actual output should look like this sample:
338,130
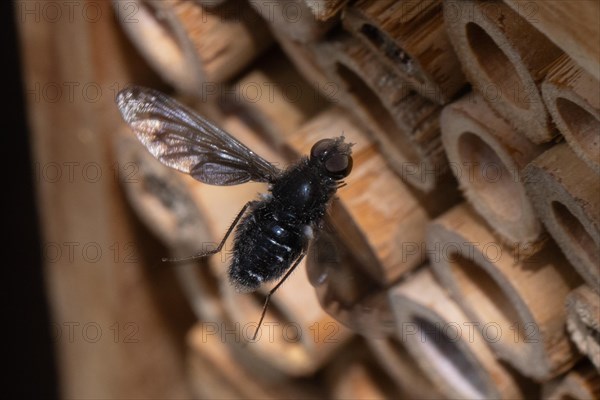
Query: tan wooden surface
274,98
192,47
565,193
375,201
392,353
222,368
517,301
487,156
126,325
324,10
571,25
293,18
572,97
410,37
437,334
505,58
118,290
404,124
582,382
583,322
356,375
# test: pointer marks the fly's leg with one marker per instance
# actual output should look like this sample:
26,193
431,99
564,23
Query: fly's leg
264,310
220,246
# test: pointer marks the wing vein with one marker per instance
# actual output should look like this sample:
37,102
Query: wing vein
186,141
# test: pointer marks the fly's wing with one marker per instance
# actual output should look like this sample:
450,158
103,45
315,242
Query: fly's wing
181,139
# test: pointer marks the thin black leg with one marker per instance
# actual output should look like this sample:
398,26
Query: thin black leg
264,311
218,249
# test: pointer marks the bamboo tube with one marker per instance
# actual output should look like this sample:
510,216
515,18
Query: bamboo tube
293,18
214,373
573,100
161,199
583,322
190,46
504,57
296,336
324,10
405,124
304,59
355,374
581,383
517,303
565,194
487,157
345,291
377,216
274,98
572,26
394,357
159,196
219,368
410,37
446,345
211,3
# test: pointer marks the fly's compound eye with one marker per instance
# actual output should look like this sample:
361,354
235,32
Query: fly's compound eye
322,148
339,166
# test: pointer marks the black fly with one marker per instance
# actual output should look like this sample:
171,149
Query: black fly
273,236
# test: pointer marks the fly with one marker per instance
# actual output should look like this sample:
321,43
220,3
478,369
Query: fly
272,234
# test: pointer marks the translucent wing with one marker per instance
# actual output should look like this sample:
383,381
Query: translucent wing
183,140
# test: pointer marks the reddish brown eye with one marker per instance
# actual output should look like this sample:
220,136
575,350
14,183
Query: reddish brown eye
339,166
333,156
321,148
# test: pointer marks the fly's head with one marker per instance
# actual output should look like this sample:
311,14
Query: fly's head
333,156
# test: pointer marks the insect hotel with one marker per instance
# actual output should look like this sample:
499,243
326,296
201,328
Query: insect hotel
459,257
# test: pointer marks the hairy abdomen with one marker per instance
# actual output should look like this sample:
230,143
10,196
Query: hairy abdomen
267,242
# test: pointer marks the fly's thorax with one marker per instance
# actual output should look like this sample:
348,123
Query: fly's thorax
304,189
